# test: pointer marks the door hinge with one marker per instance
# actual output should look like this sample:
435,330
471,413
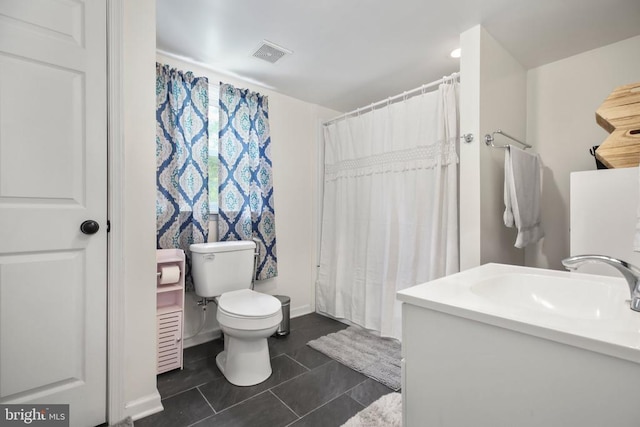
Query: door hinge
108,226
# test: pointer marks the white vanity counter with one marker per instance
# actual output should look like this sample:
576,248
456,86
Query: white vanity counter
502,345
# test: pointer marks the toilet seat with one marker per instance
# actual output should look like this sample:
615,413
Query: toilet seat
248,303
248,310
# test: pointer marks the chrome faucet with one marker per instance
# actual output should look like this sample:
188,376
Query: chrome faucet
631,273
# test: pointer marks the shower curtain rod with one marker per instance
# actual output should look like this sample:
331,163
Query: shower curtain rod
391,99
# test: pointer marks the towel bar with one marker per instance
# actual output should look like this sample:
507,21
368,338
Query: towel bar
489,138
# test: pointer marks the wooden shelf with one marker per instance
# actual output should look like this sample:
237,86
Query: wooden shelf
619,115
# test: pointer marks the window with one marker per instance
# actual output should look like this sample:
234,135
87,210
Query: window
213,149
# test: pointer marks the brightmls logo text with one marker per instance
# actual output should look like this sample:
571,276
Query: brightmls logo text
34,415
27,417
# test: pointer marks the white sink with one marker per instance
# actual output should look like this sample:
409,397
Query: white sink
557,296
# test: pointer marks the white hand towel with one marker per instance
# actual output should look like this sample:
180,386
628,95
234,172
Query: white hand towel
522,195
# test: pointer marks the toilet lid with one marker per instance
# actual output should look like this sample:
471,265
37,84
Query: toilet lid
248,303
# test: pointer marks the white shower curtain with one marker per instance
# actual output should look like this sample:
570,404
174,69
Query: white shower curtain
390,215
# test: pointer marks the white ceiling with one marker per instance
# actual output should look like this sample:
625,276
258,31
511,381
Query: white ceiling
350,53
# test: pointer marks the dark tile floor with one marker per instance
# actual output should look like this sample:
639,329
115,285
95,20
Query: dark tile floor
306,388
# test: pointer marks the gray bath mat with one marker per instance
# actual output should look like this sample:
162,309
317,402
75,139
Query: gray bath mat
375,357
384,412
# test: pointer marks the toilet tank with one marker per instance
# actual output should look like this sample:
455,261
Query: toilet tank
220,267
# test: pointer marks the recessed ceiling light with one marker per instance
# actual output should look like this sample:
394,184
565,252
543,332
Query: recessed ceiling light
455,53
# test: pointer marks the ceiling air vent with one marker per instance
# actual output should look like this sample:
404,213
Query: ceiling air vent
270,52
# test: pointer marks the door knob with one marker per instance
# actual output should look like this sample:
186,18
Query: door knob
89,227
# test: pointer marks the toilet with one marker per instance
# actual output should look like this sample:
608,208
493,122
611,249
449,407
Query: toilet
224,270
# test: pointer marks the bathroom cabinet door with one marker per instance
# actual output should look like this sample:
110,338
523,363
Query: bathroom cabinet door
169,341
53,146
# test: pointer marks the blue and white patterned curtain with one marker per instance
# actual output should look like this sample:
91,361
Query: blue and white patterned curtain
182,201
246,182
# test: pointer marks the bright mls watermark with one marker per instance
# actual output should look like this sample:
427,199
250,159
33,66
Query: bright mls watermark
34,415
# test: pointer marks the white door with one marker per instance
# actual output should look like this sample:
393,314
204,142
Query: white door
52,178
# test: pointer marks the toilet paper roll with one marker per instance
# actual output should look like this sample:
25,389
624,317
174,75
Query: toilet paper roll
169,274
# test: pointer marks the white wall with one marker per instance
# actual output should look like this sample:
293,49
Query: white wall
139,376
562,98
493,96
469,182
294,125
603,216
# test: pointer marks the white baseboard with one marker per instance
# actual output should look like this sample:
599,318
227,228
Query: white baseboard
301,311
144,406
202,338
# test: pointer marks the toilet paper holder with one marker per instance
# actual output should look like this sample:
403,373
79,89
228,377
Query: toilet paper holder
173,275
